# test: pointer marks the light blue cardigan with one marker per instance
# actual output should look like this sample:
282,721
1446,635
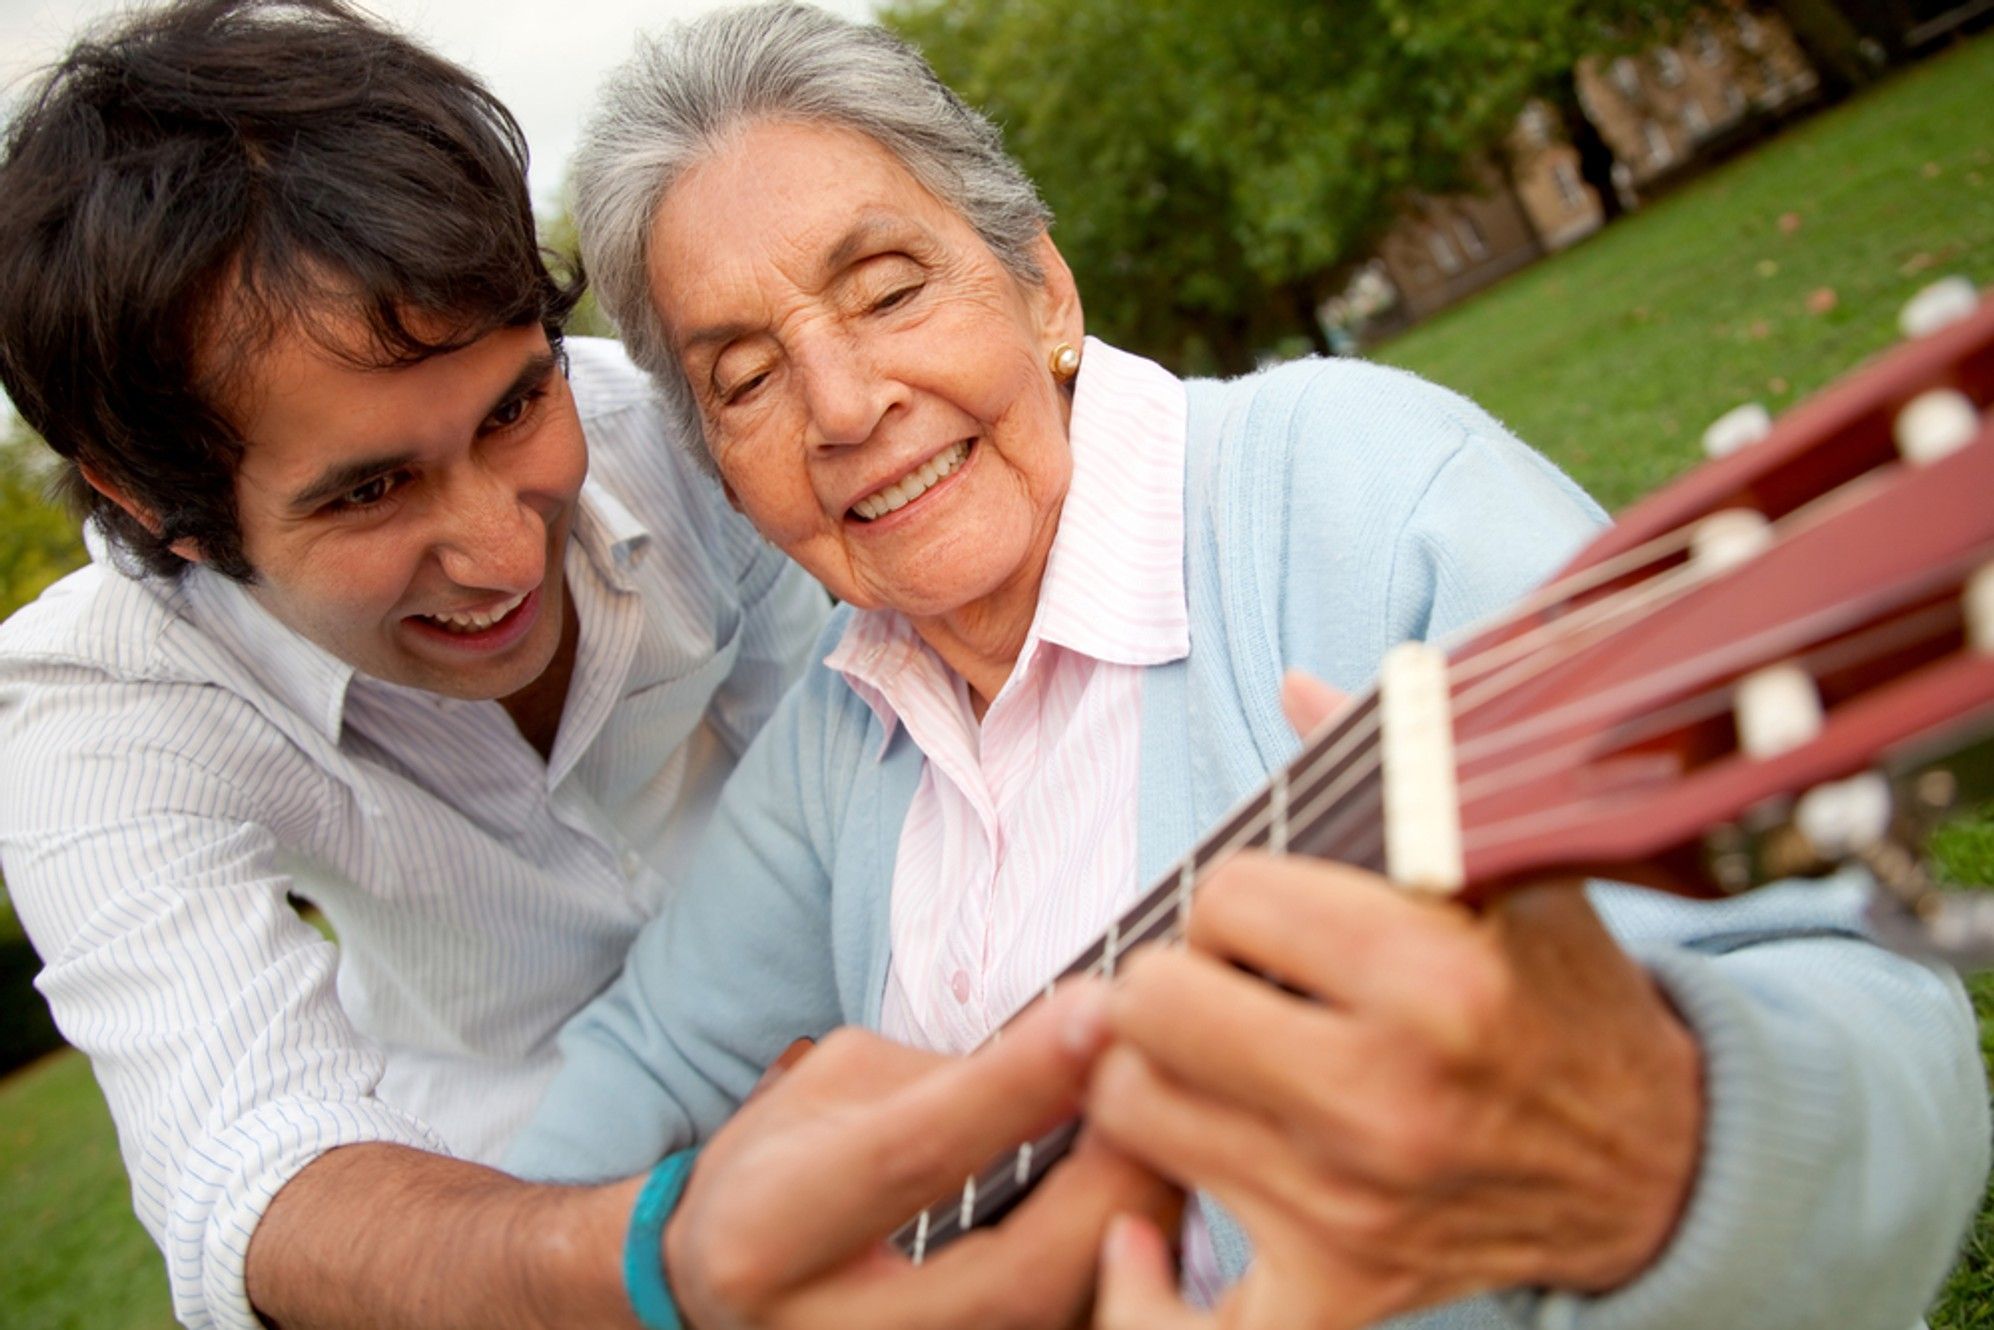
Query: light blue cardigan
1332,509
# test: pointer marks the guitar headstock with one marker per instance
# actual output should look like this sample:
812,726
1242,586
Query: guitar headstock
1746,676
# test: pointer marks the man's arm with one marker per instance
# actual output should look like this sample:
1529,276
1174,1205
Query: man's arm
781,1223
384,1236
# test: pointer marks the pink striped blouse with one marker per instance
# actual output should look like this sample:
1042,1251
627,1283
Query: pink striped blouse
1020,846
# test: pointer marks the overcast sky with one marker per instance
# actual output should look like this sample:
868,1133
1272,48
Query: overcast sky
543,58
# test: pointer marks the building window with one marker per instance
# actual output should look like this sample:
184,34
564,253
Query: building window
1473,243
1657,138
1703,41
1570,192
1668,67
1443,252
1693,118
1626,77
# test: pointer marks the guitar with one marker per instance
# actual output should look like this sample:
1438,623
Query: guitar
1748,677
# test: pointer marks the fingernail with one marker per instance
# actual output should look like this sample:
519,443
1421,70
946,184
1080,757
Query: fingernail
1115,1242
1085,1030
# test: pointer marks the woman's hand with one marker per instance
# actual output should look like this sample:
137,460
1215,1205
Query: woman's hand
784,1219
1447,1104
1443,1104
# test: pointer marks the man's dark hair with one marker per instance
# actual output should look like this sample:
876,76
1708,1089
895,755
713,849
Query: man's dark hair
176,191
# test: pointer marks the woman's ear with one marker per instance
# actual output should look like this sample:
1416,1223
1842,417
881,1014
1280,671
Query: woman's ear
1060,316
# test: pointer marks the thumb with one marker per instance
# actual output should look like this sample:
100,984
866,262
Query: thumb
1308,701
1138,1284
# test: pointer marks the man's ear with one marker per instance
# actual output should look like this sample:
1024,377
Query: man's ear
1060,315
135,510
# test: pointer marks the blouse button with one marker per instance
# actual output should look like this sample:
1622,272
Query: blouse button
959,985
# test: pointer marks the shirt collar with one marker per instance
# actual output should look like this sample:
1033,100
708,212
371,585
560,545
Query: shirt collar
1114,580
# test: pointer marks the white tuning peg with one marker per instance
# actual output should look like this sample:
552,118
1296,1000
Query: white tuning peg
1844,817
1980,610
1729,537
1736,428
1945,301
1776,709
1935,424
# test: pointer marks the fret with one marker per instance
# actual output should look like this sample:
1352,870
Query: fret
1024,1165
968,1203
920,1252
1277,813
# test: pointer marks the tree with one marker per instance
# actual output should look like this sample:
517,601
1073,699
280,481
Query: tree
1218,167
38,541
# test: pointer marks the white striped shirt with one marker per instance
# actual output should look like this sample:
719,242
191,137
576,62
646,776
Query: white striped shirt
173,761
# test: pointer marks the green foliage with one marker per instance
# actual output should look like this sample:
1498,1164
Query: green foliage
557,234
38,541
1217,166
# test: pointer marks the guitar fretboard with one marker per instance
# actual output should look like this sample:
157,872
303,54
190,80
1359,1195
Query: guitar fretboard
1325,804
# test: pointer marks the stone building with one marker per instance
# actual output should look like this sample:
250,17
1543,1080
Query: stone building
1665,113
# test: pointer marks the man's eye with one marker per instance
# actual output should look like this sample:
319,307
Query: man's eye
512,412
369,494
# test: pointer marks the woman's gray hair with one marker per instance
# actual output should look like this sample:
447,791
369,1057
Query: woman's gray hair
692,87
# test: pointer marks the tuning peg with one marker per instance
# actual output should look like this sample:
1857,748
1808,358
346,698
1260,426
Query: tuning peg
1843,817
1736,428
1776,709
1980,610
1729,537
1935,424
1945,301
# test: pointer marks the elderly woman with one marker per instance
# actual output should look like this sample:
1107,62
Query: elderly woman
1072,583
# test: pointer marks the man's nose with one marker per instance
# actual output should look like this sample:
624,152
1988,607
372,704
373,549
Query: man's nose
490,538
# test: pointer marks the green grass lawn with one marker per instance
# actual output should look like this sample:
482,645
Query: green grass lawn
1611,358
76,1259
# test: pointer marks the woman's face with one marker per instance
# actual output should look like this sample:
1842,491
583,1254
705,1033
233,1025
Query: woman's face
873,380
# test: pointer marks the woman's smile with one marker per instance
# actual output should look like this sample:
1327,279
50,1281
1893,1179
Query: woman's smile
936,475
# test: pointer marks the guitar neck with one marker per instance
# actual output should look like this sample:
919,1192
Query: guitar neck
1326,803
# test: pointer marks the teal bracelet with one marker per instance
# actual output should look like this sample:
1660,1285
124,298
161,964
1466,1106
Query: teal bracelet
643,1247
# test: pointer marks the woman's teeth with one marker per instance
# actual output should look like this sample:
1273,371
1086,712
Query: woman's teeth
913,485
475,623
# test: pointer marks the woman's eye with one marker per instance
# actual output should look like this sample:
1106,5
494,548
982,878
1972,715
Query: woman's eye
744,388
898,296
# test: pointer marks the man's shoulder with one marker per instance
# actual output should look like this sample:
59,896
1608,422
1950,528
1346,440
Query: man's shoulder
101,618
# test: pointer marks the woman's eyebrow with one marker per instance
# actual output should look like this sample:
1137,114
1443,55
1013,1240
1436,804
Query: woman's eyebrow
872,230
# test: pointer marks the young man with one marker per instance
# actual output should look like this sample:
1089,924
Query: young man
401,606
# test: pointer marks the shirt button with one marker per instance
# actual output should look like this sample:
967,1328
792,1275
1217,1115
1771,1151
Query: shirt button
959,985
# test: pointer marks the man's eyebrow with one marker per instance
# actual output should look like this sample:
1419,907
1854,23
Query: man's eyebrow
870,230
352,475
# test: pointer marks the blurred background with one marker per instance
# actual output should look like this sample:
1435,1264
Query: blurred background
1609,221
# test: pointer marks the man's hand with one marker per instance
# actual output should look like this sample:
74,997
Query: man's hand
1446,1104
784,1219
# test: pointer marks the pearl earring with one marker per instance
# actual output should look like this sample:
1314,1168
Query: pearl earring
1064,362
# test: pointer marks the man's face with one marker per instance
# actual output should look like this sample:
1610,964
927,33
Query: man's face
412,520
